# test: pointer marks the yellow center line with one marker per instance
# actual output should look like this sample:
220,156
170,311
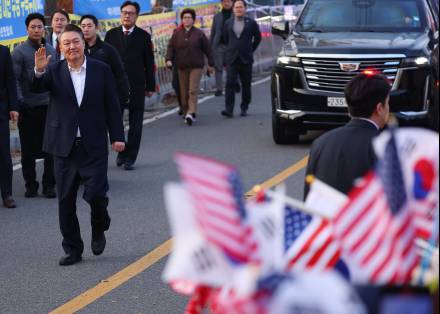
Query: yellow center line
132,270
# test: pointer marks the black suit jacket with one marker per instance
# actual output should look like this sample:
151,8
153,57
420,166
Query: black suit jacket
136,51
8,85
241,48
106,53
49,40
342,155
98,115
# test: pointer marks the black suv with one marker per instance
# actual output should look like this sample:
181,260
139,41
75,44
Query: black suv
334,40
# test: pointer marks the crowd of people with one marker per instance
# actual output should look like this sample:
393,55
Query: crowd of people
68,91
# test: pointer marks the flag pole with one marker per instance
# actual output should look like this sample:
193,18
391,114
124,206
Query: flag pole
292,202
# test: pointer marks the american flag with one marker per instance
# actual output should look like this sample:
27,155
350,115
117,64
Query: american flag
225,301
309,242
377,226
217,196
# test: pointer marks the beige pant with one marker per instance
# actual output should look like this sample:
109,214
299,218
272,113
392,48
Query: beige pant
189,80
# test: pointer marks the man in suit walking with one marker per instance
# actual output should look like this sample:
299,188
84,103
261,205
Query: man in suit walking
217,43
136,50
102,51
84,108
8,111
242,37
344,154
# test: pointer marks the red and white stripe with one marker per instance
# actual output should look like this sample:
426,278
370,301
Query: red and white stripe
216,207
314,249
381,245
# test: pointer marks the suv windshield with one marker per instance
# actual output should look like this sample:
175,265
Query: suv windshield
362,16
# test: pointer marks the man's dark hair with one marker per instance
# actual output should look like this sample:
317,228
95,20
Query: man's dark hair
90,17
72,28
60,11
244,2
364,92
34,16
133,3
188,11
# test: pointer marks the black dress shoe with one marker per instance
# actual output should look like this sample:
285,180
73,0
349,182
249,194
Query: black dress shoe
98,243
218,93
9,202
49,192
227,114
128,166
243,113
120,161
70,259
31,192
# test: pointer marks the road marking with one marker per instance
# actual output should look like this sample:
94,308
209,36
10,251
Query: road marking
107,285
111,283
282,176
162,115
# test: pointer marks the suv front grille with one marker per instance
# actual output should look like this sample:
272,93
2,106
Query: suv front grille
327,74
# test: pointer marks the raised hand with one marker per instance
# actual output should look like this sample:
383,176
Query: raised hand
13,115
41,60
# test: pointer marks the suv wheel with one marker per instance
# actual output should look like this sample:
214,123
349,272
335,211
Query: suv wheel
283,133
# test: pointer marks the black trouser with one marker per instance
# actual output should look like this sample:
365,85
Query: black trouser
135,119
244,72
70,171
5,159
31,128
176,86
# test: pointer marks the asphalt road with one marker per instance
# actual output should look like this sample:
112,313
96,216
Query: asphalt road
30,243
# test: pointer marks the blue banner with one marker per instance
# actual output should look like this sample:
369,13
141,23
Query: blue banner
105,9
13,13
192,3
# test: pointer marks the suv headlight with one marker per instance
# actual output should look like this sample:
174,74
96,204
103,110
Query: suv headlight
288,60
416,62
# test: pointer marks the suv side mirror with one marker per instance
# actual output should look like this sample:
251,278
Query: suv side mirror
434,39
281,29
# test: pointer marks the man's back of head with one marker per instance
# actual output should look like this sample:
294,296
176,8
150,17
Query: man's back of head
367,97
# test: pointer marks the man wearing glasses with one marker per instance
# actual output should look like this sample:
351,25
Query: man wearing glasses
33,109
136,50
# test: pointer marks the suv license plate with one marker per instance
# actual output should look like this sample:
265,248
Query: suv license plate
336,102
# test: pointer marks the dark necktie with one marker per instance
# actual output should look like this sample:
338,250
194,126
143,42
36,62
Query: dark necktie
58,47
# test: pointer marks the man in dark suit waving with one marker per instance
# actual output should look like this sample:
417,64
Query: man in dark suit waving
136,50
346,153
242,37
84,108
8,111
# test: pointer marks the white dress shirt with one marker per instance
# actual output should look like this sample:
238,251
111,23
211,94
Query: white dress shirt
55,40
55,44
129,30
371,121
79,82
